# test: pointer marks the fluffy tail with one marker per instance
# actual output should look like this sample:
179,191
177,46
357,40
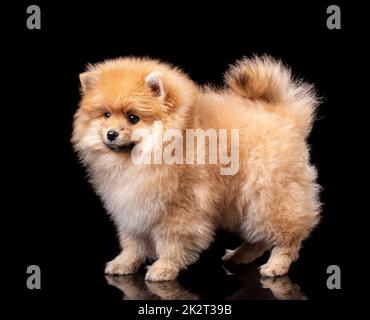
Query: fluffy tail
267,79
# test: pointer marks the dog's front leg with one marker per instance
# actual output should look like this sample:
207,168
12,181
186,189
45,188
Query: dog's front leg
178,244
133,254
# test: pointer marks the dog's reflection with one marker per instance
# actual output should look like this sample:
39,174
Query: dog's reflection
134,287
283,288
253,287
250,287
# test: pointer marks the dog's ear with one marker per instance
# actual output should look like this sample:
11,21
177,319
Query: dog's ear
155,83
88,80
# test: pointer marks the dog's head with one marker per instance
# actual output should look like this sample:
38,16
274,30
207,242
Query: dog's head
123,95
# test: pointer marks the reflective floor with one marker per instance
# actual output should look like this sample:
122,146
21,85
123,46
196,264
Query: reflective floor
211,279
245,283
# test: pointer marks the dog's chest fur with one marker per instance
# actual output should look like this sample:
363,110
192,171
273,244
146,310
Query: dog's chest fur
130,196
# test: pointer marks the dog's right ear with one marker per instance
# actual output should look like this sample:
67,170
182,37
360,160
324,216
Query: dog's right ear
88,80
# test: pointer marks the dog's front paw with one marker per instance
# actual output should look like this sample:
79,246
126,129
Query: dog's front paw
119,266
161,272
273,269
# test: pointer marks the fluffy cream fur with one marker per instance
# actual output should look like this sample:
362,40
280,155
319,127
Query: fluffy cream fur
170,212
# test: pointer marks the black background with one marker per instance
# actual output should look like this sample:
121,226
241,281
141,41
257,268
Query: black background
61,225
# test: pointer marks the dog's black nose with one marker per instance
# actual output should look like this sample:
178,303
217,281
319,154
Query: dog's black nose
112,135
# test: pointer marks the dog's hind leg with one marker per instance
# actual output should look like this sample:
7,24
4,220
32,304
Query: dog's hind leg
280,260
246,253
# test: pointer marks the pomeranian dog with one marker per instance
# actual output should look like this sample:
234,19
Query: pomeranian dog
168,212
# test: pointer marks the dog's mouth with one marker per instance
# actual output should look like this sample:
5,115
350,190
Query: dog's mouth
124,148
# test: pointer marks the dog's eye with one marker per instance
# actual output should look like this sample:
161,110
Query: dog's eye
106,114
133,119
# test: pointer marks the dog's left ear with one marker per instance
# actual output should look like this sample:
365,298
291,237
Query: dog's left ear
155,84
